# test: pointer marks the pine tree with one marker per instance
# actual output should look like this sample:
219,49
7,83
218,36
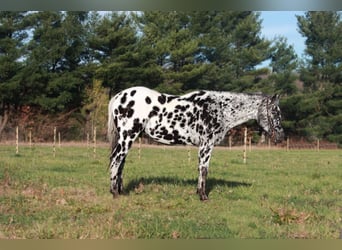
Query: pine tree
53,77
318,110
283,64
13,32
323,33
231,42
114,44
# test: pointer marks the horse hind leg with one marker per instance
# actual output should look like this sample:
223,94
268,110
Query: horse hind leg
203,172
117,163
119,153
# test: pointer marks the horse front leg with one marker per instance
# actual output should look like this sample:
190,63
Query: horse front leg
203,172
117,163
204,155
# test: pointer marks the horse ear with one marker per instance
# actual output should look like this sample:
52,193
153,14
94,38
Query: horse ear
275,99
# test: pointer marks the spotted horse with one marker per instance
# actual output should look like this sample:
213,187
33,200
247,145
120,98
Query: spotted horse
199,118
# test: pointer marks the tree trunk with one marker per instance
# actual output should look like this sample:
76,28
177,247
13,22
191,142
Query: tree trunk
3,121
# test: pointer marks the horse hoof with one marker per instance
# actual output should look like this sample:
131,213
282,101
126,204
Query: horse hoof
204,198
115,193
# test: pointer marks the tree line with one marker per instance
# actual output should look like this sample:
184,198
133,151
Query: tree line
63,62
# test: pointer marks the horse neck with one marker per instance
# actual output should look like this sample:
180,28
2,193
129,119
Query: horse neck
241,108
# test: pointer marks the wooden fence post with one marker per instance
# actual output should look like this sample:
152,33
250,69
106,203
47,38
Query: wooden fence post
30,137
317,144
94,140
250,143
17,140
230,142
288,144
269,143
245,147
54,142
139,148
189,155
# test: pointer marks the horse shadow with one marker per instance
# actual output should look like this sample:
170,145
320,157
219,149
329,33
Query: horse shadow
135,184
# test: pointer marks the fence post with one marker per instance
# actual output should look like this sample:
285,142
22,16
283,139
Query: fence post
269,143
288,144
54,142
139,148
17,140
230,142
189,155
245,147
317,144
250,143
94,139
30,137
59,139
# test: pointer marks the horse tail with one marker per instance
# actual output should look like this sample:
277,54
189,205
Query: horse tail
112,132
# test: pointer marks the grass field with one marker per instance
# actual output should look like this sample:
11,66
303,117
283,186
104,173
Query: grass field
277,194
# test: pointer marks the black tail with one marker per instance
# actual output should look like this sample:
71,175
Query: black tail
112,132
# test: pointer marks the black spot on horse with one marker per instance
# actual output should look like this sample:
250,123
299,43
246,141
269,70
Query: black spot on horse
200,102
168,137
133,92
176,136
125,134
117,149
162,99
148,100
137,126
194,96
152,113
121,110
130,104
130,113
155,108
123,99
170,98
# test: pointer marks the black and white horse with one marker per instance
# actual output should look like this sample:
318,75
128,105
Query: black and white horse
199,118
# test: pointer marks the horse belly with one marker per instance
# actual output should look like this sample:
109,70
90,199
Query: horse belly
168,132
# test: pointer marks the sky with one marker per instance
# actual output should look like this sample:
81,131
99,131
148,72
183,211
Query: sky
283,23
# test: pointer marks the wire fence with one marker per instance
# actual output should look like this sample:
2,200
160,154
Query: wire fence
92,138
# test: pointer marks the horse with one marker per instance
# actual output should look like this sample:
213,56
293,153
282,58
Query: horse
200,118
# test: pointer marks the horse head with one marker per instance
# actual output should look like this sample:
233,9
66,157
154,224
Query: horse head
269,118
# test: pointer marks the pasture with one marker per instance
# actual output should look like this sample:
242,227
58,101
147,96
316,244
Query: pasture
276,195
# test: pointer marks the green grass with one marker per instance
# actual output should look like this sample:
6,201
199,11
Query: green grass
277,194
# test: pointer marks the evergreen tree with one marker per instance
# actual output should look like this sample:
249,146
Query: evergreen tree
211,50
283,64
13,32
173,49
115,47
232,43
317,113
323,33
53,77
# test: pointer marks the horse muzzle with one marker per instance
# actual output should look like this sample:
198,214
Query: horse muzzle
278,136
